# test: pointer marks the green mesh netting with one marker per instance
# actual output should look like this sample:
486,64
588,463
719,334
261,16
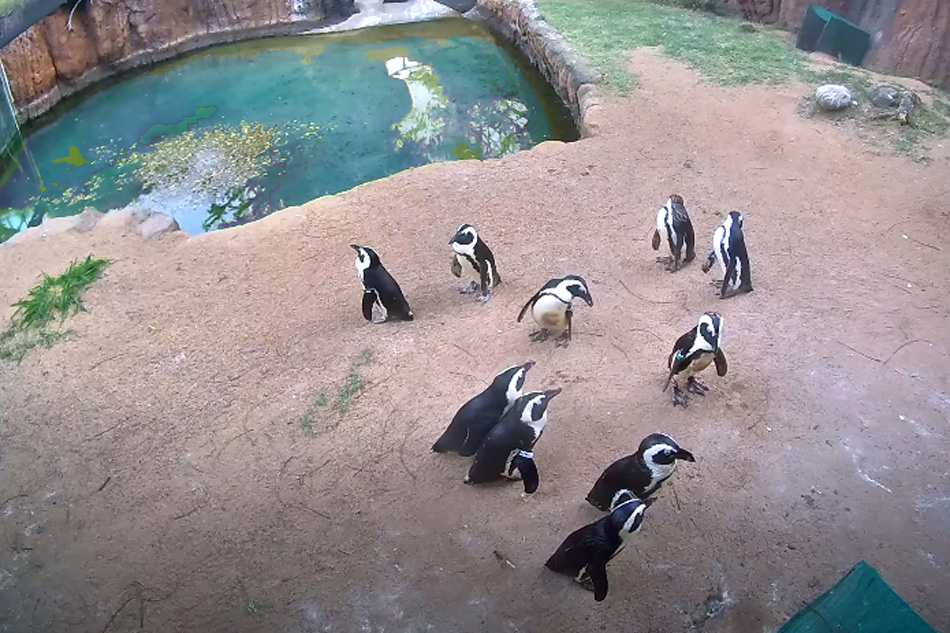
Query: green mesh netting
861,602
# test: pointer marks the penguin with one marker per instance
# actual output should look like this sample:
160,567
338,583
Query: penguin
506,451
585,553
473,256
379,288
729,248
641,473
477,416
673,224
552,310
692,353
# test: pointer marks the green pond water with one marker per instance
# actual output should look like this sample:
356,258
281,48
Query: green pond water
235,132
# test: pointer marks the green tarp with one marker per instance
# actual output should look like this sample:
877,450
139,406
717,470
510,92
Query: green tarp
861,602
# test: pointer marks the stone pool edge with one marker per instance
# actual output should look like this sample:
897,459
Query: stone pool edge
573,78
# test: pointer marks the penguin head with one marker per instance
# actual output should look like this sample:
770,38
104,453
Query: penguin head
661,449
511,380
464,239
710,329
535,405
735,218
627,516
365,257
577,287
676,199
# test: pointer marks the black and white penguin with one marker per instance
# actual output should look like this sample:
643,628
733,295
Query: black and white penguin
506,451
673,225
729,248
585,553
379,288
641,473
692,353
473,258
476,418
552,310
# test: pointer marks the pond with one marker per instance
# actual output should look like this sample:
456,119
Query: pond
232,133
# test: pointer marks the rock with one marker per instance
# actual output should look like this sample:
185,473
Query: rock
748,27
833,97
86,220
886,96
157,224
73,52
29,66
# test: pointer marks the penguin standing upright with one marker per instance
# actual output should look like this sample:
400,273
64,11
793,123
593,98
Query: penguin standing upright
692,353
475,259
477,416
729,248
552,310
379,288
585,553
506,451
641,473
673,225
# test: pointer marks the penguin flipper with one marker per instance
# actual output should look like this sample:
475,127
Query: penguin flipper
597,571
529,472
690,242
471,443
656,240
369,298
456,267
528,305
721,366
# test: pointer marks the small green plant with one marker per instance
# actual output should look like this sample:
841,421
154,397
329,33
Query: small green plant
253,607
352,386
47,305
237,202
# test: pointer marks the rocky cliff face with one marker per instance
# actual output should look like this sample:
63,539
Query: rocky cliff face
909,37
49,61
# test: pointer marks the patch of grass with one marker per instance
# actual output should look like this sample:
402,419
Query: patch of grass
46,306
352,386
607,30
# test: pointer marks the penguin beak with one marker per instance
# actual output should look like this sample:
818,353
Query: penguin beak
528,365
648,501
686,456
550,393
589,300
355,247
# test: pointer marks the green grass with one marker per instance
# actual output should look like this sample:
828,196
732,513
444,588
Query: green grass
352,386
46,306
253,607
605,31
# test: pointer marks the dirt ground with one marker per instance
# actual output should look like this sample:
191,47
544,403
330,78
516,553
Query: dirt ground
159,480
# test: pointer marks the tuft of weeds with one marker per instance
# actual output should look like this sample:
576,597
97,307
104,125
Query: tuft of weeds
352,386
46,306
253,607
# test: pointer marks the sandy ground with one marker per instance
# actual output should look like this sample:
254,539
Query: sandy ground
159,479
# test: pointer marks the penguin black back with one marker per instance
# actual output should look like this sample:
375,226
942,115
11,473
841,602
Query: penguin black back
585,553
517,432
674,226
729,249
379,287
479,415
641,473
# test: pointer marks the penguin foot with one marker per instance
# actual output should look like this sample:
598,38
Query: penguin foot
482,298
679,398
379,319
469,289
563,340
694,386
586,583
716,282
664,260
539,335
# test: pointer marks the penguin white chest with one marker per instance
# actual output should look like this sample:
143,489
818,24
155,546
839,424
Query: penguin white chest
468,267
659,473
699,363
548,312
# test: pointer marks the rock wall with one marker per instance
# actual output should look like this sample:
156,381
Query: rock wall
520,22
49,62
909,37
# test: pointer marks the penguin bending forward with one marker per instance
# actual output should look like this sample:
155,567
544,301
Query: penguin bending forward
729,248
692,353
641,473
673,225
585,553
379,288
475,259
552,310
506,451
477,416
